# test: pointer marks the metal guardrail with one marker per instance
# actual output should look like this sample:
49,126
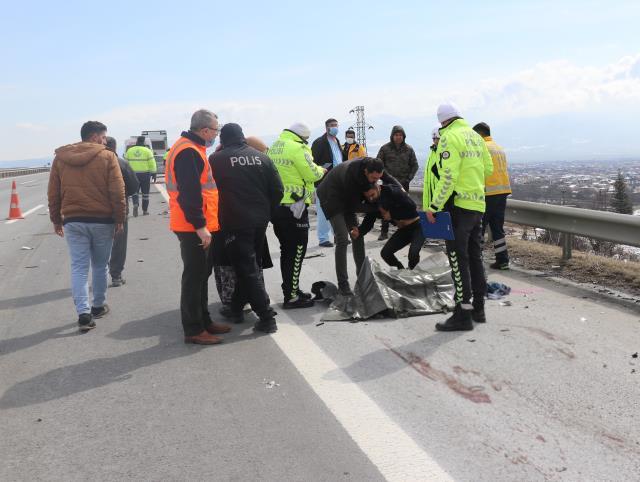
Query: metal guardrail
603,225
4,173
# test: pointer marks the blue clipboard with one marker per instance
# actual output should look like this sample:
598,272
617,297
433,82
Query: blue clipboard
441,229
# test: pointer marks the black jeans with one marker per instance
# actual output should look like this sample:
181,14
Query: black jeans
244,248
465,257
119,252
340,224
494,218
293,235
144,178
194,294
409,235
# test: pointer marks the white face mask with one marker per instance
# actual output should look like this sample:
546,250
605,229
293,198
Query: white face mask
350,140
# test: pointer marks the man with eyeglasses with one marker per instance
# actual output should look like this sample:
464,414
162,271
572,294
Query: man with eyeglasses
193,215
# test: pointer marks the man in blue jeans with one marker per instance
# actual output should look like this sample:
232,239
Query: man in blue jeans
89,214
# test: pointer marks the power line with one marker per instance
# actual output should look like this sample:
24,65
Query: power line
361,125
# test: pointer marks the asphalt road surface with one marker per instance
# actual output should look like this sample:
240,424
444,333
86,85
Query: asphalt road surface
548,389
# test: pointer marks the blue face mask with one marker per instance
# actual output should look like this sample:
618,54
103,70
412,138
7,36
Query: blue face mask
333,131
210,143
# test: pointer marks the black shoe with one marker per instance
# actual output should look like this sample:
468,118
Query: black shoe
304,296
145,213
478,315
383,236
135,211
100,312
85,322
326,244
504,265
459,321
298,303
267,325
117,281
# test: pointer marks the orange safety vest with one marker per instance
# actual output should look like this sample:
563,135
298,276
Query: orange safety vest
177,220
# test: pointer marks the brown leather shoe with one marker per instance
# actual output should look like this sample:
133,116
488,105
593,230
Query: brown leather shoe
204,338
217,328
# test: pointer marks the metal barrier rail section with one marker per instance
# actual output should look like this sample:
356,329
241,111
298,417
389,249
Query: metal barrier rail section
22,171
604,225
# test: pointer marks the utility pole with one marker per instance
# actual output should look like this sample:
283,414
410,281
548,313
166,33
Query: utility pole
361,125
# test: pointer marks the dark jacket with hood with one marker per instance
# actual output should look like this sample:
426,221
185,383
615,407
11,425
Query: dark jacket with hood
322,153
400,161
342,188
249,186
85,185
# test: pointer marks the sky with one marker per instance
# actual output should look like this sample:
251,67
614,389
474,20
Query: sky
556,80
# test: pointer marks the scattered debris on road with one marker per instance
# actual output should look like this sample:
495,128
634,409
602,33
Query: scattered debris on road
635,355
141,261
472,340
33,266
26,248
269,384
143,239
315,255
505,303
320,324
583,319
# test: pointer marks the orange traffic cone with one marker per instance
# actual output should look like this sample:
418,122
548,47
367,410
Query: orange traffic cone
14,208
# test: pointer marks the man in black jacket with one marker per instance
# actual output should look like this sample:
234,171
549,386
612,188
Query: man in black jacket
341,196
119,248
249,190
327,153
395,205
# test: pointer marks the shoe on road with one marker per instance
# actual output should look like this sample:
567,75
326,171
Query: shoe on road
304,296
268,325
85,322
503,265
383,236
117,281
204,338
460,320
298,302
135,211
326,244
145,213
100,311
214,328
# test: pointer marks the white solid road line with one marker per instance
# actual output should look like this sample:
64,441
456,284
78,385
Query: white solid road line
30,211
396,455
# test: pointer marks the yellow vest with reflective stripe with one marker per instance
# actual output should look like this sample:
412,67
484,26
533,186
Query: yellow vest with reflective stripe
498,182
141,159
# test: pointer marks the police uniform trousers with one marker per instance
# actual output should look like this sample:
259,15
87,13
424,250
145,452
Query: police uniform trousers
293,235
465,257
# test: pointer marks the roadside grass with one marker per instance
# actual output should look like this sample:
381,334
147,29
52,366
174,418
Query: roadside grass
582,267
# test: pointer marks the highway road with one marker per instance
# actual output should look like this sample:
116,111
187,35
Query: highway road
548,389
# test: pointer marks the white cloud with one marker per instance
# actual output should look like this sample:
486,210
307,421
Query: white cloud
29,126
547,88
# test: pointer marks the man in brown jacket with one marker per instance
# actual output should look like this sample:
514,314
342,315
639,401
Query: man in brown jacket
87,207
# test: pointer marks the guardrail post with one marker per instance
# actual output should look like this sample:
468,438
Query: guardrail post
567,244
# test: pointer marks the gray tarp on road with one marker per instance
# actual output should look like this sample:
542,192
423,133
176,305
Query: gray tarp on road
426,289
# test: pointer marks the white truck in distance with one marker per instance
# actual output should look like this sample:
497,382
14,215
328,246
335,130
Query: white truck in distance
154,140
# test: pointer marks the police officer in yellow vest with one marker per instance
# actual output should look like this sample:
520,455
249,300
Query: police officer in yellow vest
454,182
497,190
293,160
143,163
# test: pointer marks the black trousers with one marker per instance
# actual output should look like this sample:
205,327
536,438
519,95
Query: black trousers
409,235
465,257
144,178
244,249
194,294
494,218
119,252
293,235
